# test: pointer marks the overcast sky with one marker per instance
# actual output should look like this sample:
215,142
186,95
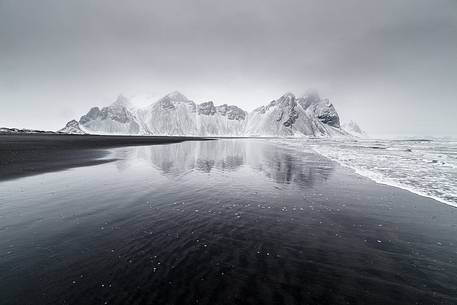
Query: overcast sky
390,65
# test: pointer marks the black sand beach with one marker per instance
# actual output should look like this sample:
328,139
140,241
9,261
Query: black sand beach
28,154
222,222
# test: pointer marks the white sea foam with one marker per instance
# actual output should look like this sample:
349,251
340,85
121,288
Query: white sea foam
427,168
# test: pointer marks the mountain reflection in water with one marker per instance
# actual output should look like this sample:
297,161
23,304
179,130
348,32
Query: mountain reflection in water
233,221
282,165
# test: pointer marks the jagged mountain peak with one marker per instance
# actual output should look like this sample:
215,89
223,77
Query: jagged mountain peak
287,99
175,114
72,127
175,96
207,108
117,118
310,98
232,112
172,99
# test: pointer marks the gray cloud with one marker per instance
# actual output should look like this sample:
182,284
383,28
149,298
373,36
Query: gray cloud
391,65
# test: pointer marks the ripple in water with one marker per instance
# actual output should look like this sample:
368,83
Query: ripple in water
221,222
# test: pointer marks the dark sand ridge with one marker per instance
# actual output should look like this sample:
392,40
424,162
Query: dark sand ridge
31,154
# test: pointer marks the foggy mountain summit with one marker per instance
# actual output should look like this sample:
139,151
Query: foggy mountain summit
259,184
175,114
58,58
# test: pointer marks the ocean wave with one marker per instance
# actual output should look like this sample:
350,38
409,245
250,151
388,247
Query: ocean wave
424,168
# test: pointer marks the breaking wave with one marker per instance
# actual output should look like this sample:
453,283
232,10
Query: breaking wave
424,167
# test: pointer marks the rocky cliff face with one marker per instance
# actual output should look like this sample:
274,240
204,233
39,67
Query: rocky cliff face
72,127
175,114
291,116
118,118
320,108
232,112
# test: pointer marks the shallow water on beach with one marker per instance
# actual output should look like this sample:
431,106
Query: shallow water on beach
424,167
240,221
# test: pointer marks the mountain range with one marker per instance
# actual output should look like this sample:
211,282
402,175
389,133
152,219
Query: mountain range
175,114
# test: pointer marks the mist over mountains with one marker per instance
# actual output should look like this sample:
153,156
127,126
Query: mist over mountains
175,114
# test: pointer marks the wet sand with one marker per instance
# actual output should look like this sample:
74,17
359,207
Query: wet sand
30,154
222,222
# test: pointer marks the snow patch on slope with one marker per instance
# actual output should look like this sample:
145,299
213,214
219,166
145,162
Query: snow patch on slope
175,114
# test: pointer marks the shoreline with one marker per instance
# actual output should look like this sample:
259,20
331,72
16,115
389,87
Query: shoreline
24,155
387,181
268,217
27,154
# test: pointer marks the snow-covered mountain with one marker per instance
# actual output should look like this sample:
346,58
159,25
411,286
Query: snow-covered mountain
175,114
72,127
118,118
291,116
354,129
